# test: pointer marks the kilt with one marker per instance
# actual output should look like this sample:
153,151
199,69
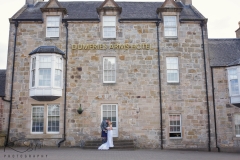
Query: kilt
104,134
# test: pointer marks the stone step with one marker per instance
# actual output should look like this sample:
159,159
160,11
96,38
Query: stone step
129,147
115,144
118,144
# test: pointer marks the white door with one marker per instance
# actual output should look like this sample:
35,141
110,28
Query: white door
110,111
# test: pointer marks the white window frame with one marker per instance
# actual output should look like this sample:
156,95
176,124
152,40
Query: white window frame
56,26
237,123
169,69
170,26
35,106
109,22
49,132
229,80
106,69
180,132
53,68
115,129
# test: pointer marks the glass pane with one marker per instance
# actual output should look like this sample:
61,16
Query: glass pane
109,32
37,118
104,113
58,77
33,78
170,21
44,77
170,32
52,32
109,20
53,21
114,124
104,107
172,75
234,86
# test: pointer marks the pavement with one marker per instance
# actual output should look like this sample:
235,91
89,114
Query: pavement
64,153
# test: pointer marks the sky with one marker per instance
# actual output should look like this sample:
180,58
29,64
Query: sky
223,17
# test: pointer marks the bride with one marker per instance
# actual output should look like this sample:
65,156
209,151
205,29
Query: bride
109,142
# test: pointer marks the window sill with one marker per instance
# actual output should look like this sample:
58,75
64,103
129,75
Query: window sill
108,39
44,136
51,38
236,138
173,83
175,138
171,38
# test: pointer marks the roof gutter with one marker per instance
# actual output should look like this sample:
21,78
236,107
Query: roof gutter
139,20
84,20
28,20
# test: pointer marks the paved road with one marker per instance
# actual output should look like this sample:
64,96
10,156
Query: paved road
80,154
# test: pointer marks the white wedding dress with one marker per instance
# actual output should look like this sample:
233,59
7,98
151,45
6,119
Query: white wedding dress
109,143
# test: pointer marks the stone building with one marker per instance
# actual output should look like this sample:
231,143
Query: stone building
144,65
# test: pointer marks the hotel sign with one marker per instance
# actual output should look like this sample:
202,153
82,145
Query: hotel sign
144,46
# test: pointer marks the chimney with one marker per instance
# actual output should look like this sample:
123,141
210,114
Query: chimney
238,31
32,2
187,2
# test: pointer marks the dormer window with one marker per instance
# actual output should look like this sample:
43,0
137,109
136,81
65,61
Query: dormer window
170,26
234,86
46,73
109,26
52,29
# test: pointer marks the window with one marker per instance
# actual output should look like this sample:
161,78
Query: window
170,26
58,72
109,27
46,75
237,125
53,118
45,70
233,81
37,119
175,130
234,84
33,70
172,70
109,70
52,26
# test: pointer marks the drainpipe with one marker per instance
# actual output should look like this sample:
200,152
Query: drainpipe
11,94
206,85
214,107
65,93
160,89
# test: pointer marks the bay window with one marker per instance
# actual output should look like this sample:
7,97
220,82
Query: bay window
46,75
233,83
170,26
109,26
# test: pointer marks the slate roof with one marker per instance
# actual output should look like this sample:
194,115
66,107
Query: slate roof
2,82
47,49
224,52
130,10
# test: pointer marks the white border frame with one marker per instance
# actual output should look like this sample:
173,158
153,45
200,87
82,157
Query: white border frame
175,132
115,35
172,69
116,115
169,27
105,57
32,121
47,120
50,27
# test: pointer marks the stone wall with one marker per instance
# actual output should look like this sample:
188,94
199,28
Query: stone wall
224,111
136,91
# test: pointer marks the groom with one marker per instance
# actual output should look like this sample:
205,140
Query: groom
104,126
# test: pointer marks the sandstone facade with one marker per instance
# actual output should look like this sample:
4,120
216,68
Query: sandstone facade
136,91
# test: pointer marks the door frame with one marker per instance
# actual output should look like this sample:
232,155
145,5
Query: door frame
116,114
